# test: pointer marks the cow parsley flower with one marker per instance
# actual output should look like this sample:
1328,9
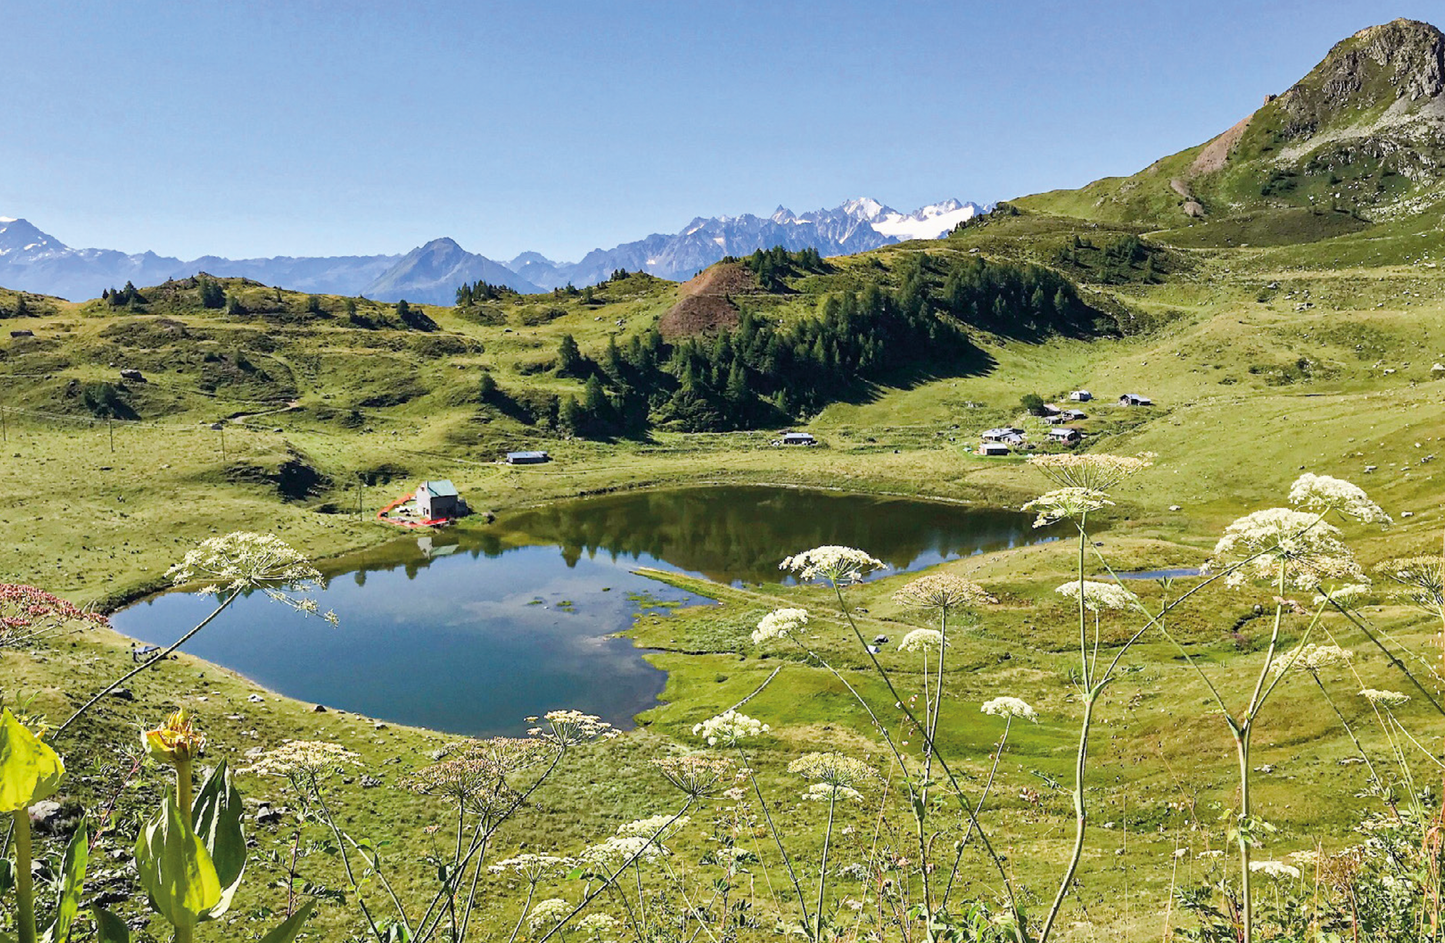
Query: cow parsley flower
310,757
1090,472
832,768
1066,503
697,774
1010,707
639,849
1099,596
828,792
547,914
729,728
835,564
780,623
532,868
922,640
1274,869
657,827
1386,699
571,728
943,592
1313,658
598,926
243,561
1344,594
1418,580
1323,493
1309,550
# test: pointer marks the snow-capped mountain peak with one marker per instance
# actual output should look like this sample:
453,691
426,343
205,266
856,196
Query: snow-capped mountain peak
928,222
864,208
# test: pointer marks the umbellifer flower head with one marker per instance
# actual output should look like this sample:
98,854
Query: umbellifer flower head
547,914
828,792
729,728
530,867
177,740
571,728
697,774
921,640
1385,699
943,592
835,564
1010,707
835,769
1066,503
1274,869
1099,596
780,623
243,560
657,827
1323,493
1313,658
1259,544
1089,471
1418,580
310,757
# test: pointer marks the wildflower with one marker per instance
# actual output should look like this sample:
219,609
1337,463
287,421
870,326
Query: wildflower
596,926
1274,869
530,867
313,758
1385,699
1323,493
177,740
29,769
696,774
831,768
1010,707
657,827
547,914
1419,580
837,565
780,623
829,792
1308,549
1313,658
638,849
1065,503
1094,472
943,592
922,640
571,728
28,613
1344,594
1099,596
242,561
729,728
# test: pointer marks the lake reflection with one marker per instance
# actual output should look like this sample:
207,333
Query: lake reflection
471,632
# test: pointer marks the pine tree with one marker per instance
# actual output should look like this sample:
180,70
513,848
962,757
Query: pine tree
569,357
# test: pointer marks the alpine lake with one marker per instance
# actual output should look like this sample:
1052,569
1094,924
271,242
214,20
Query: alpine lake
470,631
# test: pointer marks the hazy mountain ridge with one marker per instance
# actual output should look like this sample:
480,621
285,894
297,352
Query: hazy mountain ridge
32,260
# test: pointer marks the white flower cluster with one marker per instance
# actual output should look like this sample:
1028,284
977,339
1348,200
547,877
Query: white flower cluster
661,826
530,867
833,768
1092,471
1385,699
547,914
1274,869
1009,707
780,623
312,757
1065,503
1344,594
1258,544
729,728
1323,493
245,560
598,926
1099,596
830,792
1312,658
618,850
570,728
922,640
943,591
838,565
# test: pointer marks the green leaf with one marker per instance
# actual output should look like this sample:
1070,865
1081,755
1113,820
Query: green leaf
108,927
175,867
217,814
72,883
29,769
288,930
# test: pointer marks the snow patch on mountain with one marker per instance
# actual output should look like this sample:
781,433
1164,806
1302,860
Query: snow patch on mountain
929,222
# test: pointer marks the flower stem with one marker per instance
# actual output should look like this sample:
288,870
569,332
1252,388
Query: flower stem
24,883
823,864
1081,817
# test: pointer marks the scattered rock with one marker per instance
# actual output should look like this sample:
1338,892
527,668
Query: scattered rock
319,709
123,694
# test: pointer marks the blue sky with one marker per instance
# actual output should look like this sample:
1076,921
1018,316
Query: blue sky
303,128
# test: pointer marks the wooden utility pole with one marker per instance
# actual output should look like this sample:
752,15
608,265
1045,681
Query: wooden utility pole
110,430
223,443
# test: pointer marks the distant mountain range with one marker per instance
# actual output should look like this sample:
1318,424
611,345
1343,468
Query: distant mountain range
31,260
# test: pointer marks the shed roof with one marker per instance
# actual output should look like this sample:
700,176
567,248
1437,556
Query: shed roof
533,454
439,489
